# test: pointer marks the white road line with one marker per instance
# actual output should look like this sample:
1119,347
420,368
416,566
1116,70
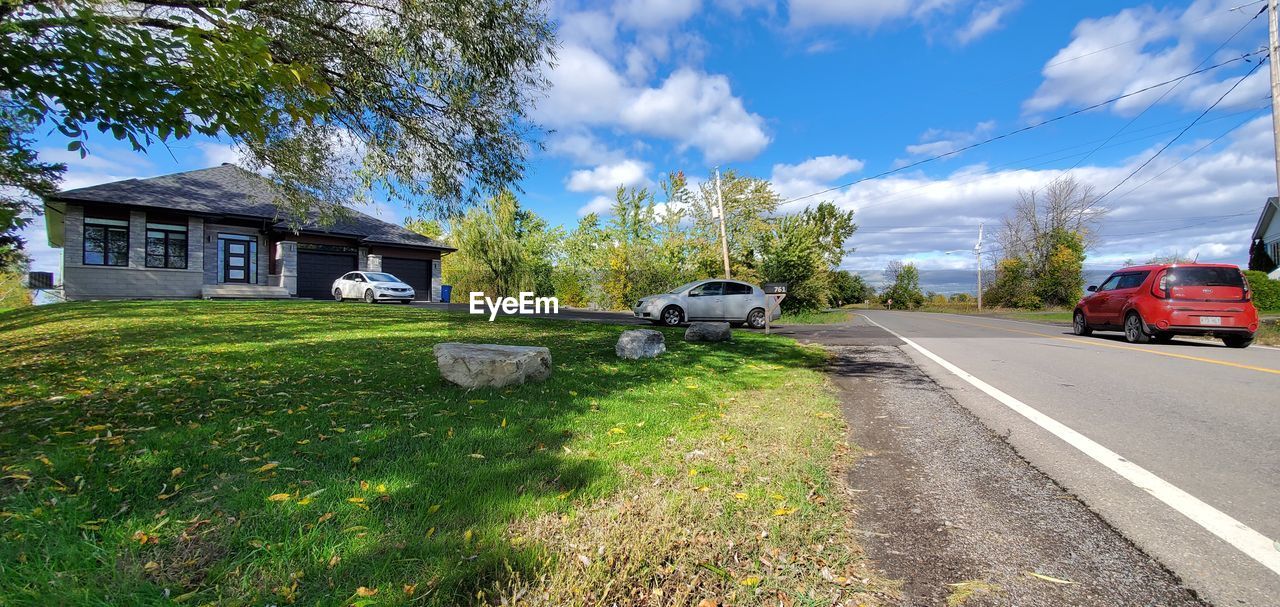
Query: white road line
1257,546
1067,328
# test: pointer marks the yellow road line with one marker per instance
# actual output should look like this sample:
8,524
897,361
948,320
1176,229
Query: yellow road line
1092,342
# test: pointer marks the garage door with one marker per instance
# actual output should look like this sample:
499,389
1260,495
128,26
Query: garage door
414,272
317,271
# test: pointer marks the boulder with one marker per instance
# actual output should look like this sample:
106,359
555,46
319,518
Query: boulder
640,343
708,331
492,365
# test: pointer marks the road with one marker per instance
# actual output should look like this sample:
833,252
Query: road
1201,421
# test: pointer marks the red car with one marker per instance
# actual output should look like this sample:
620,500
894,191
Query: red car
1156,302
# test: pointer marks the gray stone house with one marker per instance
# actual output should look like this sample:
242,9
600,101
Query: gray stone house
216,233
1264,245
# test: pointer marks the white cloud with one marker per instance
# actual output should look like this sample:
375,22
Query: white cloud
600,205
938,141
811,175
986,18
655,14
607,177
698,110
691,108
585,90
592,29
1139,47
582,147
918,217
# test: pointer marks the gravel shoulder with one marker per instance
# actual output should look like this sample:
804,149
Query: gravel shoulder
951,509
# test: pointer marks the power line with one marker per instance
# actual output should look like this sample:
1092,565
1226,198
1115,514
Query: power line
1193,153
1167,91
883,199
1180,134
1021,130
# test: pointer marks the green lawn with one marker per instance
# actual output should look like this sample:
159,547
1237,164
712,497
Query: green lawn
824,317
272,452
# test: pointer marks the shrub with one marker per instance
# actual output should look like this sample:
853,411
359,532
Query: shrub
1266,292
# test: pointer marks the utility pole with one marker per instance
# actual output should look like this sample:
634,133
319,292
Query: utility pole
977,252
1273,25
724,241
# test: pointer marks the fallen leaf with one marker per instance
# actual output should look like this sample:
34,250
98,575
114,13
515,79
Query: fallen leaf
751,580
266,467
278,497
476,456
409,589
176,472
366,592
784,511
740,495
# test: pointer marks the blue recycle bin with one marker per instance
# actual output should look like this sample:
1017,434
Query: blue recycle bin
445,292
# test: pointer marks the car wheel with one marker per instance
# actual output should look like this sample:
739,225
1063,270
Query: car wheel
1135,331
368,296
1079,325
756,318
1237,341
672,316
337,294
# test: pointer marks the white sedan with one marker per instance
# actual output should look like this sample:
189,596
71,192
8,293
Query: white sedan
371,287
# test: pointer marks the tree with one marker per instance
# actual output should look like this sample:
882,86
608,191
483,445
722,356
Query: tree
847,288
905,288
1168,258
835,227
1060,282
427,227
332,99
748,204
22,178
1047,233
1013,286
502,250
792,252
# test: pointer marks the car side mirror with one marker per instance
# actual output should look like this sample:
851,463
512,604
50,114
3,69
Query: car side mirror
1092,288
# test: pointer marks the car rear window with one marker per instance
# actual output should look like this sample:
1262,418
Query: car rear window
735,288
1205,277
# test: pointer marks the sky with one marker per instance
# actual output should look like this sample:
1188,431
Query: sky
817,94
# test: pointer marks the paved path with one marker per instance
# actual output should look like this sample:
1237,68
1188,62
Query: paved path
1195,424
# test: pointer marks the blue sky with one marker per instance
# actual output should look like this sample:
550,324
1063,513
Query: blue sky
816,93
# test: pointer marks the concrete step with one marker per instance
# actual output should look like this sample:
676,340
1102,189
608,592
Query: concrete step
243,292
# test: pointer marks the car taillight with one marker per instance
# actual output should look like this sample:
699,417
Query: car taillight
1160,288
1248,293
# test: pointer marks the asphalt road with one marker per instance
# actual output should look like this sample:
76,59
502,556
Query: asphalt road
1202,418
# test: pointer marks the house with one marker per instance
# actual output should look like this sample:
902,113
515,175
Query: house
216,233
1264,246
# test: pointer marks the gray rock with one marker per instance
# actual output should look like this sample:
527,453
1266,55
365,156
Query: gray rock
492,365
640,343
708,331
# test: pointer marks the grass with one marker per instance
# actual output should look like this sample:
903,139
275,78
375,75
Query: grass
291,452
13,294
822,317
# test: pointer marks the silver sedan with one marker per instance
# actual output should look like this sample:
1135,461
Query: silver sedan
716,299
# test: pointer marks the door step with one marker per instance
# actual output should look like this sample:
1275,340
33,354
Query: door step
243,292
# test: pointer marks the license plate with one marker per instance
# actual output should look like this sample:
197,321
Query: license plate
1211,320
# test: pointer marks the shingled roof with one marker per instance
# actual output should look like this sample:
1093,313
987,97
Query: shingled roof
229,190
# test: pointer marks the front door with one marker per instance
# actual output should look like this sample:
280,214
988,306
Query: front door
235,261
706,301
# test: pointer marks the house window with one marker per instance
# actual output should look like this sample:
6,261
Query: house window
106,242
166,245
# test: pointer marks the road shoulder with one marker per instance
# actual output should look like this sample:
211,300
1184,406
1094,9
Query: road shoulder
949,507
